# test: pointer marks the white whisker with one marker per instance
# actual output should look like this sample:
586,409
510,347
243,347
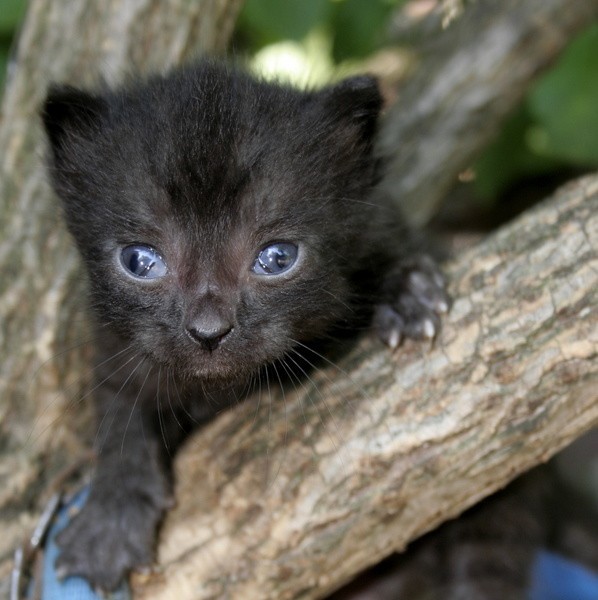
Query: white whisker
114,399
133,409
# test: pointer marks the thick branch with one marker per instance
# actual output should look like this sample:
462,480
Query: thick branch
75,42
292,499
472,75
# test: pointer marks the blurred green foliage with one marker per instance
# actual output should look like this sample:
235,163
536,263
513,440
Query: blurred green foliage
11,13
10,16
355,27
555,128
565,102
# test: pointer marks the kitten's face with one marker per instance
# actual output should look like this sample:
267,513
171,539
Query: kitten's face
215,215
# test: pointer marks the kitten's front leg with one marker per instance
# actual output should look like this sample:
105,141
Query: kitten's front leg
414,297
115,530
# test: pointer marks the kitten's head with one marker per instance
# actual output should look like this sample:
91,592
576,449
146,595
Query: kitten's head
219,217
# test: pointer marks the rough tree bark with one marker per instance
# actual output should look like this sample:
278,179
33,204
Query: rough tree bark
471,76
41,308
369,454
40,300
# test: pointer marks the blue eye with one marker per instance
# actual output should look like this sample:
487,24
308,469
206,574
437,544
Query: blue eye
275,259
143,262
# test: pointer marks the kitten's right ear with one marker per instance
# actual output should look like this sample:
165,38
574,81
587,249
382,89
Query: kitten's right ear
68,109
356,101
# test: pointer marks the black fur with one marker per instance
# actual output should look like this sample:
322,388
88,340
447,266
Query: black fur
209,165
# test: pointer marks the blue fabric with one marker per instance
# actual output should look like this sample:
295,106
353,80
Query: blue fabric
71,588
557,578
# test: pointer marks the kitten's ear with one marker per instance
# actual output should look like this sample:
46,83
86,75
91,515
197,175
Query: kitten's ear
68,109
357,100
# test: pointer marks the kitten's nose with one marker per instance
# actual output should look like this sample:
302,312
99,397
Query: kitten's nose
208,334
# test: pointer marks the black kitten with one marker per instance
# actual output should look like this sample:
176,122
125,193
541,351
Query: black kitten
224,222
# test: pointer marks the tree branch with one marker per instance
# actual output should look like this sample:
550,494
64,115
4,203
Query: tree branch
291,500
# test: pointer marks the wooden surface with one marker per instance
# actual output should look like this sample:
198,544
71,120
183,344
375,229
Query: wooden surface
289,497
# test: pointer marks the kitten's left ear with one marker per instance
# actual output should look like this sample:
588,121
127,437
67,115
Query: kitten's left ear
356,100
69,110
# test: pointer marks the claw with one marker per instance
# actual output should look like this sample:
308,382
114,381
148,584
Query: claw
429,329
394,338
415,310
442,307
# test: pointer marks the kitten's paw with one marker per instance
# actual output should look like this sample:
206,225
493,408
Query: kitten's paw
419,299
103,546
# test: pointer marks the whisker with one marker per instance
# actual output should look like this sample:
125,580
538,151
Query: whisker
207,396
133,409
168,374
159,410
286,425
335,297
182,403
52,358
73,403
114,399
269,429
292,376
327,407
359,388
259,397
334,365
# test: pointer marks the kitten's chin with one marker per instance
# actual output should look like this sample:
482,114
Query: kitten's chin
212,368
218,374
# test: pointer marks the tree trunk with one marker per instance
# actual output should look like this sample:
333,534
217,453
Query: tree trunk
470,77
371,453
40,299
